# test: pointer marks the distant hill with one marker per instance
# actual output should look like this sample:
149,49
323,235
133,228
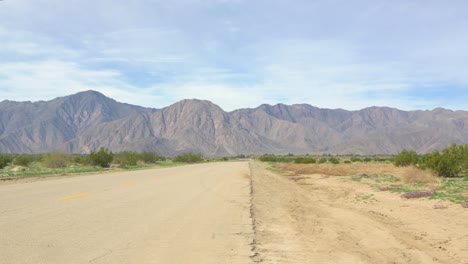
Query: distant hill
88,120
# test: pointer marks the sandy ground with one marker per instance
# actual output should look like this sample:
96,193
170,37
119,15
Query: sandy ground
189,214
323,219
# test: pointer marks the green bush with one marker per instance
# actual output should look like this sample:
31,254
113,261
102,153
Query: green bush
56,160
5,160
406,158
334,160
322,160
82,159
355,159
452,162
25,160
189,158
126,158
305,160
347,161
271,158
102,158
151,157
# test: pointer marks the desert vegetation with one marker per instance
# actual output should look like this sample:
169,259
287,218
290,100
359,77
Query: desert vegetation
58,163
189,158
451,162
438,175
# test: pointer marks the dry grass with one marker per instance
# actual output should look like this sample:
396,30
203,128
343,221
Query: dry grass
415,175
406,174
341,169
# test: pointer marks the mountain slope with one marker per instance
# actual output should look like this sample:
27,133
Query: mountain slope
89,120
27,127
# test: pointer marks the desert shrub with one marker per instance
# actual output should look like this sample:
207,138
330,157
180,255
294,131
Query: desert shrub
452,162
126,158
415,175
270,158
151,157
380,159
334,161
406,158
367,159
56,160
322,160
347,161
25,159
305,160
356,159
81,160
189,158
5,160
102,158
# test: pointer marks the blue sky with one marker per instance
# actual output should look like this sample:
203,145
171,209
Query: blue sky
237,54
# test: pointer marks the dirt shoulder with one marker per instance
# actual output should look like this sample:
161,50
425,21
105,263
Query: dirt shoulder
322,219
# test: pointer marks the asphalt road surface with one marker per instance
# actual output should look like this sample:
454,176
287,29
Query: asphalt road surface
190,214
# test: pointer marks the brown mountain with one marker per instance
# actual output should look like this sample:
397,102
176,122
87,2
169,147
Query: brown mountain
27,127
89,120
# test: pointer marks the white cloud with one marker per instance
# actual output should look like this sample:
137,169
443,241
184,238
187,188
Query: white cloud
236,53
46,80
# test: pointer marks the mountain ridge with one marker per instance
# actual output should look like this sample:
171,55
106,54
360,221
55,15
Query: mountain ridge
87,120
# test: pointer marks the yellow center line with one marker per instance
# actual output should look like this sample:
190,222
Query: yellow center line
75,196
128,185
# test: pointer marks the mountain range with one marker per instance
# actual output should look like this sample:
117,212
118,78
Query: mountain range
89,120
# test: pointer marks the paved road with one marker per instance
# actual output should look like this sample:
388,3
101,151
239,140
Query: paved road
190,214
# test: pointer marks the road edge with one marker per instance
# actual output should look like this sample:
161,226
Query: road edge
255,257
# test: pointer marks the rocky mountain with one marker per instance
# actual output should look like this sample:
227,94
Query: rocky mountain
89,120
27,127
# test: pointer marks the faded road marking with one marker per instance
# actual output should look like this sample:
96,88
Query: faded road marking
75,196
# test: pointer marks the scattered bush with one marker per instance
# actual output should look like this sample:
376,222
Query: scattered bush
355,159
25,160
452,162
102,158
347,161
56,160
189,158
406,158
5,160
151,157
126,158
270,158
322,160
305,160
81,160
334,161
